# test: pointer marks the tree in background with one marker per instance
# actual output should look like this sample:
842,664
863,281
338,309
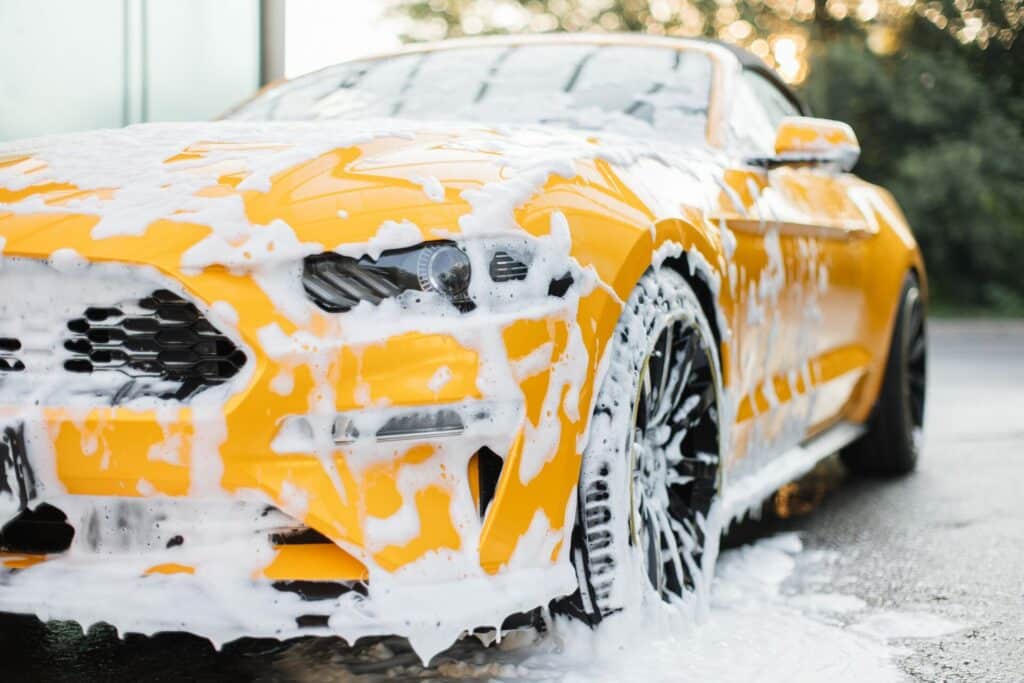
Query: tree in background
942,125
935,91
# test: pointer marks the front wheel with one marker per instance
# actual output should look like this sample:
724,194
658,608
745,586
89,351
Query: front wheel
652,467
892,444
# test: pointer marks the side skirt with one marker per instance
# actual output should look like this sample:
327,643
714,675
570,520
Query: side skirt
743,495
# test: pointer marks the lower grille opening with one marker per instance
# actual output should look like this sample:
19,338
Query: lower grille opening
559,286
41,531
488,471
299,536
532,619
314,591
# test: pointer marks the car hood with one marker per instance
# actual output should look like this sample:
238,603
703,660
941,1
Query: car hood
243,195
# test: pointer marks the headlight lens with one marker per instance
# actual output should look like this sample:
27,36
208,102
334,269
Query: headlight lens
444,268
338,283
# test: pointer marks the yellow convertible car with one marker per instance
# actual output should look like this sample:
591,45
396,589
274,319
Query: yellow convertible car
418,343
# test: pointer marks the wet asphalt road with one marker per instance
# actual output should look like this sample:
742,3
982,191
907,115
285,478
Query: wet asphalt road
948,540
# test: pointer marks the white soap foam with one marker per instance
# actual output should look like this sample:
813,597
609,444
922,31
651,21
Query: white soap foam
891,625
752,631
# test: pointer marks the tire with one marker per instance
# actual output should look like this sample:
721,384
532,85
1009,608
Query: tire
893,442
651,468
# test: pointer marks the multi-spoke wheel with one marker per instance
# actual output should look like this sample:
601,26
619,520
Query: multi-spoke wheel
674,456
651,467
894,438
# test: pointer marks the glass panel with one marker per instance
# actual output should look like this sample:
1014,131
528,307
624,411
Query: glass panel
638,90
203,57
373,90
525,85
750,128
776,105
63,66
666,90
432,89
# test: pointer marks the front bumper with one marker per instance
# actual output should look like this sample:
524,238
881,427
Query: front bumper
172,500
221,603
236,561
200,220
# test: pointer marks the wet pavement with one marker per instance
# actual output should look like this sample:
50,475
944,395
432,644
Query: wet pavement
948,541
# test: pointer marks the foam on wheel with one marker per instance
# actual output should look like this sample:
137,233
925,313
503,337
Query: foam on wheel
651,469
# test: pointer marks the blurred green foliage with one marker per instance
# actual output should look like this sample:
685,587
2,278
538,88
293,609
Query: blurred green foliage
941,125
938,105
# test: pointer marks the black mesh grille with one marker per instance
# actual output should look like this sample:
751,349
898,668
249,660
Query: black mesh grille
160,337
9,360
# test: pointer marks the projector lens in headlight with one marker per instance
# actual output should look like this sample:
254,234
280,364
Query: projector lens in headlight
444,269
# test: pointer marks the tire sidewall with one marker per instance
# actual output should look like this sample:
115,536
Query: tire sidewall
899,407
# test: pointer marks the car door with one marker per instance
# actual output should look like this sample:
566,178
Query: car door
797,284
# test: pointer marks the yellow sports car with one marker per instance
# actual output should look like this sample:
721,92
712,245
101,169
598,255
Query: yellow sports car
419,343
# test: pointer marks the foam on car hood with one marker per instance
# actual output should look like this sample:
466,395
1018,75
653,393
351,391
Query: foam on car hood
244,194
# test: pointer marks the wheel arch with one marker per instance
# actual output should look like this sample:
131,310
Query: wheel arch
892,254
689,246
703,289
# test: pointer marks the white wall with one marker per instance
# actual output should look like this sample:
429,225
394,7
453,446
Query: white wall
76,64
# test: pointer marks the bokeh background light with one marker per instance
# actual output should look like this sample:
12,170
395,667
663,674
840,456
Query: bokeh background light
779,31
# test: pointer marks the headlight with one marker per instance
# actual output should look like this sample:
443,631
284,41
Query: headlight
445,269
338,283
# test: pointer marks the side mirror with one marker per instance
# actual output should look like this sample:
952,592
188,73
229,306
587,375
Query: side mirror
806,140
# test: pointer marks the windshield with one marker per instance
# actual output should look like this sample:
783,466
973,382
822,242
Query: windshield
645,90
